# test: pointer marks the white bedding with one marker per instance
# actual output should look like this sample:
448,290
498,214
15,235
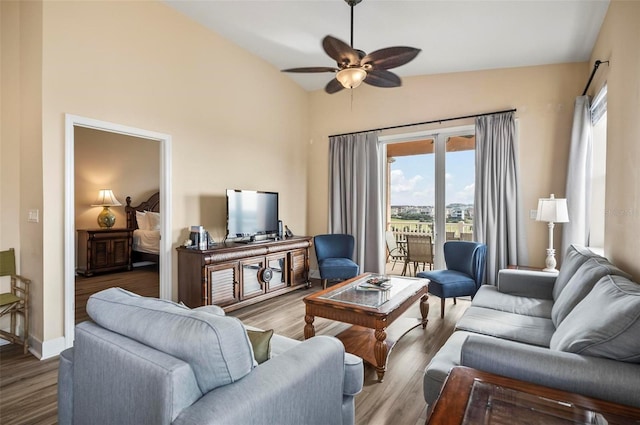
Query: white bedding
146,241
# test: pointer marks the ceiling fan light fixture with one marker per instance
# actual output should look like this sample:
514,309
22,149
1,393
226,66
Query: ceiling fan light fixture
350,78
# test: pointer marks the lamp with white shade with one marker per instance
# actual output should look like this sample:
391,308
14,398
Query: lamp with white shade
552,210
106,199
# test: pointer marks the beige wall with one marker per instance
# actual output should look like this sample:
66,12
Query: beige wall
235,120
21,144
543,95
130,166
619,43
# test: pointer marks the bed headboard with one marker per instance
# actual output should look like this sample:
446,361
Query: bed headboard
151,204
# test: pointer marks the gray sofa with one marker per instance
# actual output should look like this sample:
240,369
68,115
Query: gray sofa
151,361
577,330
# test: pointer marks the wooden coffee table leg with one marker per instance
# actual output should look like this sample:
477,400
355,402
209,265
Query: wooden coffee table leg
424,309
380,352
309,330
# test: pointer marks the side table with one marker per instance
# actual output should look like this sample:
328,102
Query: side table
104,250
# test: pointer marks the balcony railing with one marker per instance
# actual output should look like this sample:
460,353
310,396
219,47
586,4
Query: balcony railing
455,231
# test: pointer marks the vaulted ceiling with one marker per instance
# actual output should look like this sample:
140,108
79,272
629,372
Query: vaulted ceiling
454,35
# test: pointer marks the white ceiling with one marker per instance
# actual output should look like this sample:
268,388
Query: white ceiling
454,35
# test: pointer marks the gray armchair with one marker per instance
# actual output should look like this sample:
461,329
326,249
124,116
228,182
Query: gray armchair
151,361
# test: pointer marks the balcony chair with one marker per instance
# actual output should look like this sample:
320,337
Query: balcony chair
464,274
16,301
396,252
464,236
419,251
334,253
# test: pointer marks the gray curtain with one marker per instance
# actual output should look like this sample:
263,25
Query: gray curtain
578,189
355,196
498,210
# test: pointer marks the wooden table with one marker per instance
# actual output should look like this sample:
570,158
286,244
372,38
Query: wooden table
471,396
371,313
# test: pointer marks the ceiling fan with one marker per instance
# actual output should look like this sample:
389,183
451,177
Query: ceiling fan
355,66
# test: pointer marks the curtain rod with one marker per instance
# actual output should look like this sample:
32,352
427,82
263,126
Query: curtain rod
426,122
593,72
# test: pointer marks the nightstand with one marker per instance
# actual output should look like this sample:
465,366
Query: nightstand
104,250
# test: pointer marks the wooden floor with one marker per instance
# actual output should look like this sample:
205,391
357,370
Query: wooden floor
143,281
28,386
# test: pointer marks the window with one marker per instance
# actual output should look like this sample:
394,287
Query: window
599,168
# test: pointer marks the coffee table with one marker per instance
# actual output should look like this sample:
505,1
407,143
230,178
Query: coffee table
371,312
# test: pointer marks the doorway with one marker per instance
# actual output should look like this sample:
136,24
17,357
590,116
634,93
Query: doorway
431,185
72,123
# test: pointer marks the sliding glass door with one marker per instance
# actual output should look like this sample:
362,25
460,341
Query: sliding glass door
430,186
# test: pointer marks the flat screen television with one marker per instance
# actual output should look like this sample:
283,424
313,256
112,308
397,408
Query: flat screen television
251,213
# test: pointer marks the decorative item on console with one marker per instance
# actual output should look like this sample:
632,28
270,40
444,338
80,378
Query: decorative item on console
198,238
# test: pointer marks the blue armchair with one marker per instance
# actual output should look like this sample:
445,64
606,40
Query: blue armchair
335,257
464,274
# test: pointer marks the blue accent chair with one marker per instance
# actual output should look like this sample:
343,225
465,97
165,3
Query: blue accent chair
334,254
464,274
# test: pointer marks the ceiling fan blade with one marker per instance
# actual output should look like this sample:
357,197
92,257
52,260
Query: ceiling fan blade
390,57
382,78
333,86
312,69
340,51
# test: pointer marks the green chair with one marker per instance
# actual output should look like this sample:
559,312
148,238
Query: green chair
14,302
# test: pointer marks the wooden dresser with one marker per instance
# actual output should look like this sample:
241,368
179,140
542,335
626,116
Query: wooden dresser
233,275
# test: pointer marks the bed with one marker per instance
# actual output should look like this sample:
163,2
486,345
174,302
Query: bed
145,220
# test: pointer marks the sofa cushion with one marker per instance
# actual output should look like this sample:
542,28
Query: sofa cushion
489,296
516,327
575,256
449,283
216,347
606,323
580,284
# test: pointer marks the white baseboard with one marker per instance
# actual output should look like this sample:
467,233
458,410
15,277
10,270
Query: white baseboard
47,349
314,274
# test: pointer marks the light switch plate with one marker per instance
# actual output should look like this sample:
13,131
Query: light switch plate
533,214
33,216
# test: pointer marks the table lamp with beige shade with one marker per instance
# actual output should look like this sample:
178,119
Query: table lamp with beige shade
552,210
106,199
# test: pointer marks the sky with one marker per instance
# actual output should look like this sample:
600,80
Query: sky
412,179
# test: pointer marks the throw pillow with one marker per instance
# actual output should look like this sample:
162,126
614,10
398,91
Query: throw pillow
261,344
141,219
575,256
606,323
580,284
153,220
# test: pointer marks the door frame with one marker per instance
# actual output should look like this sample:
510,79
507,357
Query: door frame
72,121
439,136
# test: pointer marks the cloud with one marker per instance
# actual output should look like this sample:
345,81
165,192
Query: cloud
410,190
401,184
466,195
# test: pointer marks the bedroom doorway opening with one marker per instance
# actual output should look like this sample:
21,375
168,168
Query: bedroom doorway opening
132,163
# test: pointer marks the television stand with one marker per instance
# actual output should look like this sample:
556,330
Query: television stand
233,275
